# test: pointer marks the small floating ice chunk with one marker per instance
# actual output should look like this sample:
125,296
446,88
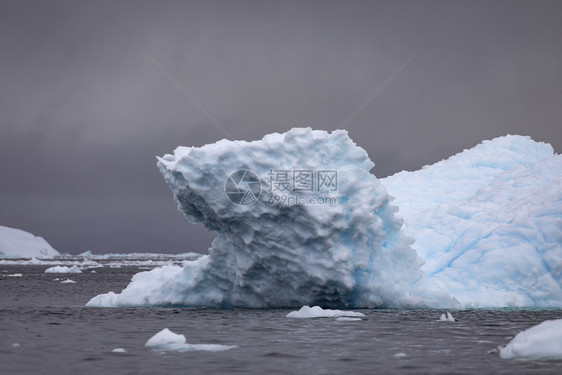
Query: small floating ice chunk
543,341
93,271
318,312
347,319
447,318
400,355
167,340
68,281
15,275
63,269
119,350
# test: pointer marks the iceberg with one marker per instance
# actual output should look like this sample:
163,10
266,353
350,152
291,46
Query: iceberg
482,228
16,243
270,252
488,222
543,341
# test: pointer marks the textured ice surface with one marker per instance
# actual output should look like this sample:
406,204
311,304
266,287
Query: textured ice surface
16,243
348,254
167,340
317,312
488,222
543,341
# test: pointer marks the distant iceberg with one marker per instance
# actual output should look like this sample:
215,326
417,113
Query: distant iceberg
486,222
16,243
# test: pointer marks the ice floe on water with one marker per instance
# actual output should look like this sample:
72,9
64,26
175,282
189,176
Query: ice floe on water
306,312
14,275
543,341
119,350
64,269
446,318
121,256
89,261
68,281
486,222
166,340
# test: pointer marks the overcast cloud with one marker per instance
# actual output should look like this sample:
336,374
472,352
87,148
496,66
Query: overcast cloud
84,108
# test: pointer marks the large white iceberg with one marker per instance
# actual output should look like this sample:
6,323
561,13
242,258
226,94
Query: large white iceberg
350,253
16,243
543,341
488,222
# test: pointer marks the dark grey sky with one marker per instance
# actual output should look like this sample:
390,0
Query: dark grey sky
83,110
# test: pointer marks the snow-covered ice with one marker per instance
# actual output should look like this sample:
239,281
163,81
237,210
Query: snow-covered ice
345,255
14,275
318,312
16,243
486,222
543,341
63,269
166,340
119,350
446,318
68,281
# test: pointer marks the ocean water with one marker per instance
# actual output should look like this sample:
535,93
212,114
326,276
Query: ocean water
55,333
